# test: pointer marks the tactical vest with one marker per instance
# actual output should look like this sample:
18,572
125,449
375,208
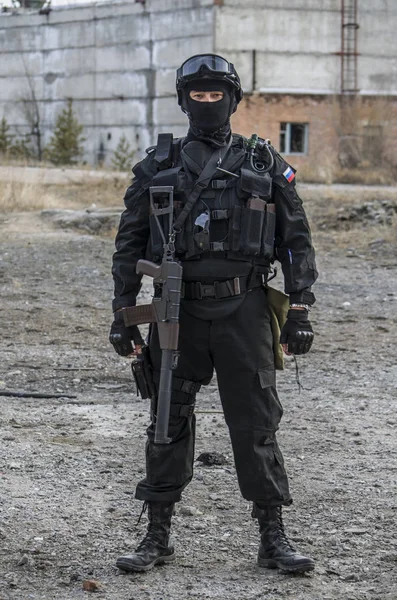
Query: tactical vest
233,217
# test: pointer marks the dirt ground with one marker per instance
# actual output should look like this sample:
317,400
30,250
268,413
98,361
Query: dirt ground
69,465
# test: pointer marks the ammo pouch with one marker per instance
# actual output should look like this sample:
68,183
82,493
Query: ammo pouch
142,372
253,224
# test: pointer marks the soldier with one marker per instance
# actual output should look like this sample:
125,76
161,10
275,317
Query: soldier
247,214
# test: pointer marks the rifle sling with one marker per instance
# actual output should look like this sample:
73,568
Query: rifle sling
201,183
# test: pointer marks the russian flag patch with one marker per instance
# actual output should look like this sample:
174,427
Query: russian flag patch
289,174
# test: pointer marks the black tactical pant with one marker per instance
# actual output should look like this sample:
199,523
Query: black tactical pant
239,347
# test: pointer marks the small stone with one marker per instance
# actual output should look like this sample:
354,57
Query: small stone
212,458
189,511
114,464
90,585
24,560
215,497
15,466
351,577
356,530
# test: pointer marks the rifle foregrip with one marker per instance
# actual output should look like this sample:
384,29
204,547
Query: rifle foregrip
148,268
138,315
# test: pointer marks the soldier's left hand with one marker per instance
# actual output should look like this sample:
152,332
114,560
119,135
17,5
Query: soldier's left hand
297,333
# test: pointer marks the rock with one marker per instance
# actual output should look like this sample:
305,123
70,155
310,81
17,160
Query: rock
15,466
90,585
189,511
212,458
356,530
216,497
114,464
24,560
351,577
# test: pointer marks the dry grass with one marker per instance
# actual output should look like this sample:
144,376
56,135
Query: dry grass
328,172
360,239
324,205
17,197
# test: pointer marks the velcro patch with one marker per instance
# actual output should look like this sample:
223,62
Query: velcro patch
289,174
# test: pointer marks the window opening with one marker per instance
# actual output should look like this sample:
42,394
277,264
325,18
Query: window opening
294,138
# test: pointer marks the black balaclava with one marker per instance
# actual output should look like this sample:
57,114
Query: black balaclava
209,121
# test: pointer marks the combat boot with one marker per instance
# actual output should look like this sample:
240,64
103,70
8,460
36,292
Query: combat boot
154,548
275,550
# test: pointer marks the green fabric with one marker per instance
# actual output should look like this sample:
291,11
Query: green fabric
279,306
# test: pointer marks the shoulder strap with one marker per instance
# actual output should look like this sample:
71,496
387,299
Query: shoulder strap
202,182
163,156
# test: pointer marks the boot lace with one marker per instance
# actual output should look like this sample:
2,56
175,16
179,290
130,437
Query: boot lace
281,535
152,539
144,509
154,535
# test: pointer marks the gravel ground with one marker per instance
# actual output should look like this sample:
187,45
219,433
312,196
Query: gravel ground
69,466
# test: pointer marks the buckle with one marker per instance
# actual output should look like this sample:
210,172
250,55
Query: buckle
217,246
218,184
218,214
236,286
186,410
216,291
208,290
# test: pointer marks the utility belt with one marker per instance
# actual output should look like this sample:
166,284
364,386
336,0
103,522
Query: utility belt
195,290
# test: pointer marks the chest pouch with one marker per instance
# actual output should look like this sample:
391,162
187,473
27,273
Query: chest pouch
253,223
201,231
256,184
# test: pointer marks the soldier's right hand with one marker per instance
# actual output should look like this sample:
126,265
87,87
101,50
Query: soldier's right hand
121,338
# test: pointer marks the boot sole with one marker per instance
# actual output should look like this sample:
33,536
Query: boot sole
270,563
126,566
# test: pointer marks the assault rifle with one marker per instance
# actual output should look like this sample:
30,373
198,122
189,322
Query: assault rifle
164,309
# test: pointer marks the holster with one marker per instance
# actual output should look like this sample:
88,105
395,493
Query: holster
142,372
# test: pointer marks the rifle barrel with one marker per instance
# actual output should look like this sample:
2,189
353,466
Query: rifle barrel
164,398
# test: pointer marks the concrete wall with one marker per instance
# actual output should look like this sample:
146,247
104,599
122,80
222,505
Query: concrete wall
116,60
292,46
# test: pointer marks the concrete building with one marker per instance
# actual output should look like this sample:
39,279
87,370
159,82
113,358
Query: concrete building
320,76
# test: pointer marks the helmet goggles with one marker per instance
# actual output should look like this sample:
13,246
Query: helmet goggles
207,66
197,66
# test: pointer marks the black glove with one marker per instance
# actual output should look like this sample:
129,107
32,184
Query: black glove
297,332
120,337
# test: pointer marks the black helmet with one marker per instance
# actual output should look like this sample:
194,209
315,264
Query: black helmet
207,66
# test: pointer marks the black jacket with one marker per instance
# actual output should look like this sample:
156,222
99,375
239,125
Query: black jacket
293,245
